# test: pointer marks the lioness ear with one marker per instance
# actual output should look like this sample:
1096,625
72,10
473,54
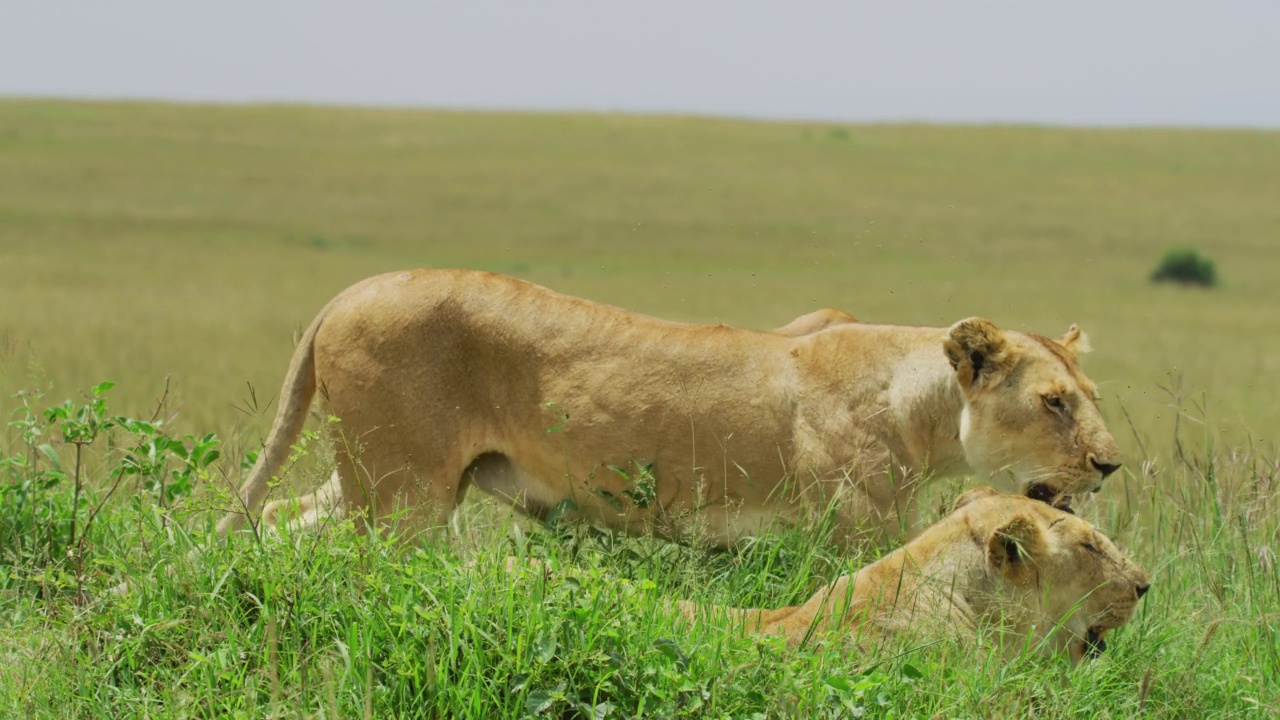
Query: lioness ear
1076,341
1014,547
978,352
974,494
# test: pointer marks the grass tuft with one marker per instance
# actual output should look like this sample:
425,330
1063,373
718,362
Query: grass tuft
345,624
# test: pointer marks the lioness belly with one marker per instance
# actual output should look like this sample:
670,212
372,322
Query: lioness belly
634,507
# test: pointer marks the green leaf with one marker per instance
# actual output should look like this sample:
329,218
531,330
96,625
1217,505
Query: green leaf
544,647
50,454
538,701
599,712
560,510
608,497
865,684
840,684
911,672
672,651
103,387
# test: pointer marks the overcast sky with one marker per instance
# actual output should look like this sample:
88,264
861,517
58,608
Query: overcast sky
1168,62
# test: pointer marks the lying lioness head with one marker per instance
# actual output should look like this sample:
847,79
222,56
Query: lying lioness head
444,380
1000,566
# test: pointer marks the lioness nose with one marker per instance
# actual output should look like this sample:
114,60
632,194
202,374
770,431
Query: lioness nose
1104,468
1142,589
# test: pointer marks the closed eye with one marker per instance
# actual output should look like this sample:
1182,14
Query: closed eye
1092,548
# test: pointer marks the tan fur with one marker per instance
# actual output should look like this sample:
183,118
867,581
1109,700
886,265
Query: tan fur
325,503
813,322
1063,585
446,378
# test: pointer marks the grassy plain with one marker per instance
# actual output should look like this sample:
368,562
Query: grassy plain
145,241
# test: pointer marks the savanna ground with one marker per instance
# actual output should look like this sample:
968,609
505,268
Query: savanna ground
176,251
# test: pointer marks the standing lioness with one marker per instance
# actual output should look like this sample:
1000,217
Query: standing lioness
441,379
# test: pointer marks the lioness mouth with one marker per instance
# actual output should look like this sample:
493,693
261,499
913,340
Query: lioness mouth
1049,496
1094,645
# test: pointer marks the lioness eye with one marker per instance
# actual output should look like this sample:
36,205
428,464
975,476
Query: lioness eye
1091,548
1054,402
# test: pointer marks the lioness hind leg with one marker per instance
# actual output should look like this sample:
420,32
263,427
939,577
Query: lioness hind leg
400,481
403,436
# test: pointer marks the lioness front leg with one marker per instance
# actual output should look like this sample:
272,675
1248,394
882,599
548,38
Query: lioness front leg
862,504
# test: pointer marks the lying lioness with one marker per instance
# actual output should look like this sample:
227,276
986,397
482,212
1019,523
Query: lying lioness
443,379
1015,567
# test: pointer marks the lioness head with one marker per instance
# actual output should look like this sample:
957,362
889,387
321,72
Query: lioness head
1066,579
1029,410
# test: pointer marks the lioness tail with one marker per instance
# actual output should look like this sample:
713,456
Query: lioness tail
294,403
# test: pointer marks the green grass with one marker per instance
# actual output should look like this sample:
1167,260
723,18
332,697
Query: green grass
140,242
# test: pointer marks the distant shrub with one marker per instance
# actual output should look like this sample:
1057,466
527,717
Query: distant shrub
1185,267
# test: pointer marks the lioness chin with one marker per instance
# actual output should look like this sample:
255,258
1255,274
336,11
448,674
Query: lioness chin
445,379
1004,565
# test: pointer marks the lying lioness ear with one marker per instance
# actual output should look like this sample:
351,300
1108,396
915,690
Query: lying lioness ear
1014,547
974,494
978,352
1075,341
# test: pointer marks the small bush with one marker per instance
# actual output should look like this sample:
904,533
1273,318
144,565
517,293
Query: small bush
1185,267
49,501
